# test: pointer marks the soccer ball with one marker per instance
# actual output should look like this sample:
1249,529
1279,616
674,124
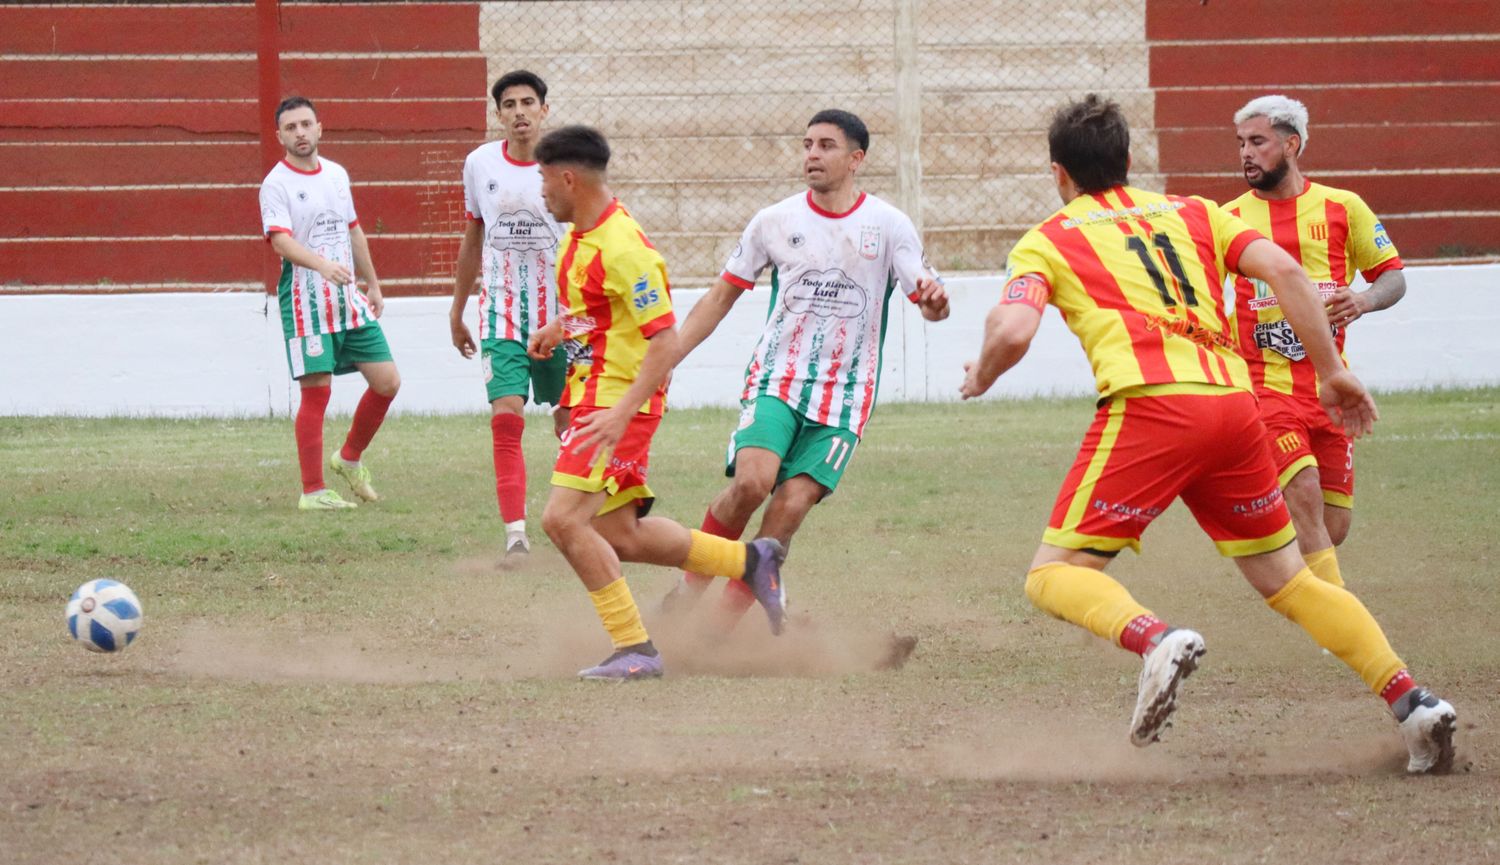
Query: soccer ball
104,615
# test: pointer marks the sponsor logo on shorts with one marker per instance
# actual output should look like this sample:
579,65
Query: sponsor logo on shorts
1121,512
1289,442
1259,506
314,346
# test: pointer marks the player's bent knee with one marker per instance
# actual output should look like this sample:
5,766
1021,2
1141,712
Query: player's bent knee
750,487
557,523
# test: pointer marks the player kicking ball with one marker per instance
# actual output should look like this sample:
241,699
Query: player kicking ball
1138,278
331,327
836,255
621,338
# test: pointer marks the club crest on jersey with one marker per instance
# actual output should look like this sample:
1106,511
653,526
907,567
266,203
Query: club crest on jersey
869,241
1318,231
314,345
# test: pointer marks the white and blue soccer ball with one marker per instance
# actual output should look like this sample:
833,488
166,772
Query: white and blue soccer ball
104,615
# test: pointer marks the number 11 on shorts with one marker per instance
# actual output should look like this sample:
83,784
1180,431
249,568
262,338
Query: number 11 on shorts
838,451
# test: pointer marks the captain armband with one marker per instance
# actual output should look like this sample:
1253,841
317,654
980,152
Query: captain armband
1029,289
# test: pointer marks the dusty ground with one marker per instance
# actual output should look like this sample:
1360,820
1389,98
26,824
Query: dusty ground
374,690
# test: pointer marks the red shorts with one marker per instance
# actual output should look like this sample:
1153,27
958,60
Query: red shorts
621,473
1142,452
1300,435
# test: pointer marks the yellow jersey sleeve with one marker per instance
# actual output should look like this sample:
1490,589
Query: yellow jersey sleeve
1369,246
641,274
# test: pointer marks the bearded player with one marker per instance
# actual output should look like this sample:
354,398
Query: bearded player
1333,234
1138,277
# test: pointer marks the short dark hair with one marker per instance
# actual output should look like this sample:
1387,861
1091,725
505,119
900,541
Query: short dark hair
1092,141
574,145
292,102
854,129
519,78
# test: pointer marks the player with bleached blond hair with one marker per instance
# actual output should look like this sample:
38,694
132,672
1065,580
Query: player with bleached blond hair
1138,277
1333,234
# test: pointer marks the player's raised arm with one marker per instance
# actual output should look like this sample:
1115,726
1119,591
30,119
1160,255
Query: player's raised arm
1343,396
706,315
1008,331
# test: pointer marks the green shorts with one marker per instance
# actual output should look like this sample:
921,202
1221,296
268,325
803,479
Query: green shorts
337,352
509,371
806,448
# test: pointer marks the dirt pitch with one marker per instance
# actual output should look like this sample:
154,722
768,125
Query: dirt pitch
367,687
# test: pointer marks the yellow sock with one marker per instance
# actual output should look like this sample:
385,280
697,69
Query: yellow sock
621,618
1339,623
714,556
1325,566
1084,596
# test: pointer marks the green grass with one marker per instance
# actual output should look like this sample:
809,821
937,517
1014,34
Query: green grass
366,686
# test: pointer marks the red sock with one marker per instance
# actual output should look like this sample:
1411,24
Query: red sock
1138,636
309,432
1397,687
712,526
510,465
367,417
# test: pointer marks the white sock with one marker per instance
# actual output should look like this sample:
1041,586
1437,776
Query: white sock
517,528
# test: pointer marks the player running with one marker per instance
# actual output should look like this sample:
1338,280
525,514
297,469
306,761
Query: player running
621,337
510,244
1332,233
835,255
307,213
1137,277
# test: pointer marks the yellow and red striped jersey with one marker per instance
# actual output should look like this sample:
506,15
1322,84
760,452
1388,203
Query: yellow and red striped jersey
1333,233
1139,279
613,289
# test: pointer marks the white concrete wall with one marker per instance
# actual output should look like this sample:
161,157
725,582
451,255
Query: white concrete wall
222,354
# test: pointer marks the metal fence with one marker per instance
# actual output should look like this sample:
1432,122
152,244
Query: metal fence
143,124
706,103
133,136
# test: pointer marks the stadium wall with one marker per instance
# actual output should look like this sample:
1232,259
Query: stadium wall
223,355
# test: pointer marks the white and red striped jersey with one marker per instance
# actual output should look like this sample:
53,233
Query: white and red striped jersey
317,209
518,283
831,278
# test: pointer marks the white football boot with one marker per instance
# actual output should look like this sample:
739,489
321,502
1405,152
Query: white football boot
1173,660
1428,730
